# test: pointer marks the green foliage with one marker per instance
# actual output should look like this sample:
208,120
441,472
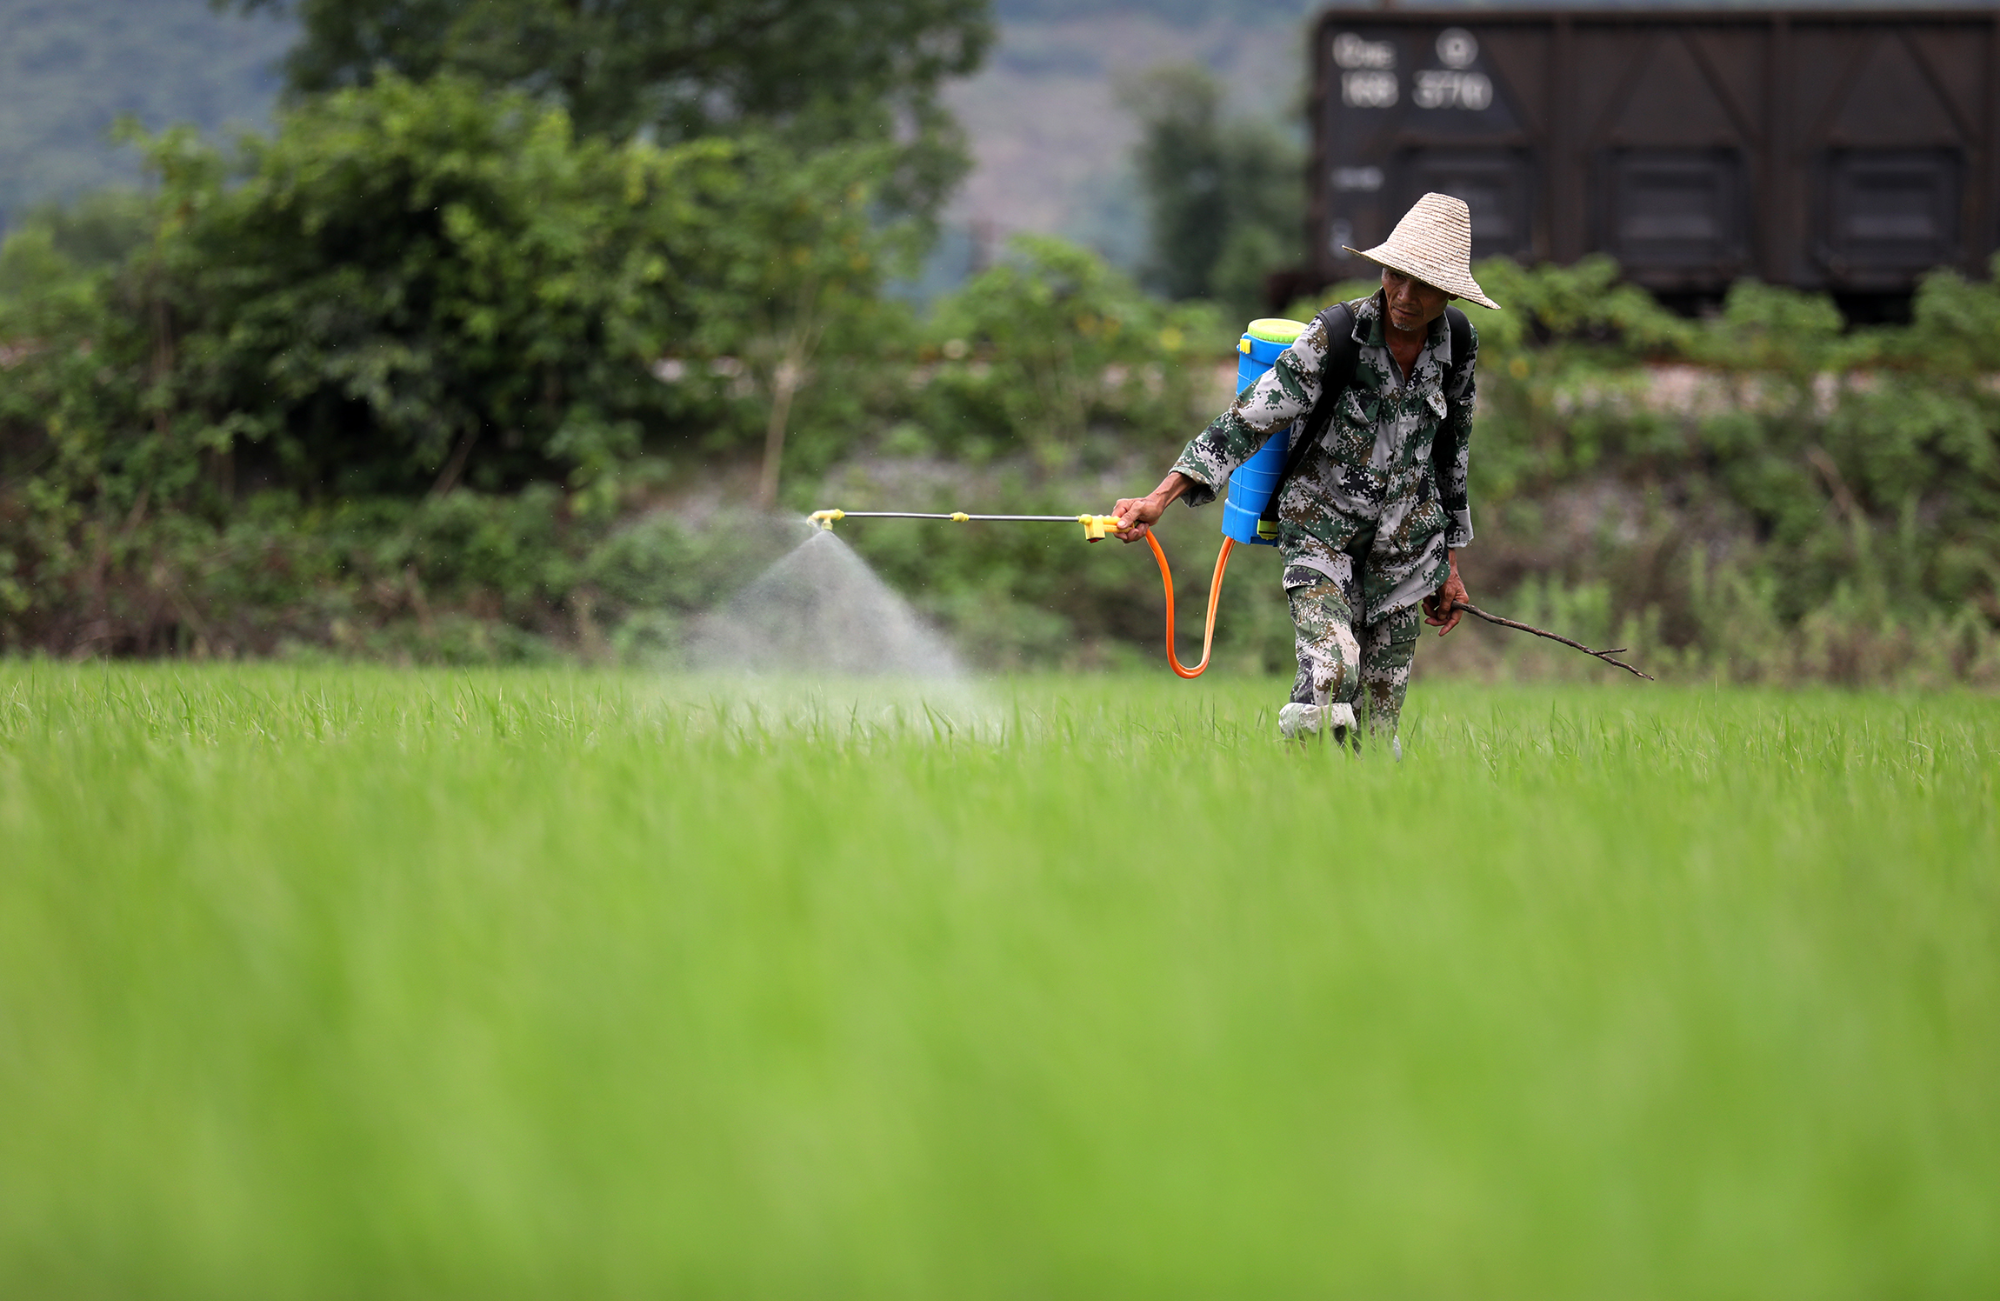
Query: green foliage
1559,377
413,282
410,271
798,265
1845,482
465,578
1051,342
825,71
405,288
473,984
1225,200
1581,303
58,245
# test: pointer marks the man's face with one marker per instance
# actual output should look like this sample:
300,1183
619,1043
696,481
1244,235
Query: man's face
1412,303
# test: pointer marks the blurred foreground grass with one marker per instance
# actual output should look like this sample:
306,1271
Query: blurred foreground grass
362,983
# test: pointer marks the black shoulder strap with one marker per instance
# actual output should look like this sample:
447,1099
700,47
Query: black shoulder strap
1442,455
1461,335
1343,355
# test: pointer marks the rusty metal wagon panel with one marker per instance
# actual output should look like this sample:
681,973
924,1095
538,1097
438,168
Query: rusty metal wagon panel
1845,150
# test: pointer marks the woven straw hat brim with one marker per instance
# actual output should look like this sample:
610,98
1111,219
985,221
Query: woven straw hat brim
1433,243
1432,270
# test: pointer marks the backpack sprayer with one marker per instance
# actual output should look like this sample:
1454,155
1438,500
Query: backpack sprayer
1247,516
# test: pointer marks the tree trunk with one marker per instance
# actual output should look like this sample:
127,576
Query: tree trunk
784,386
787,378
448,476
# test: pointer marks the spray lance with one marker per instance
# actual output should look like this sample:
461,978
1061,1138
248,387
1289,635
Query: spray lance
1246,513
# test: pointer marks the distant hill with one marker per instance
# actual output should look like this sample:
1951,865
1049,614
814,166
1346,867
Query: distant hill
70,68
1049,138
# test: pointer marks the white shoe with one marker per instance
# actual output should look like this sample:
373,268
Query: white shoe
1296,721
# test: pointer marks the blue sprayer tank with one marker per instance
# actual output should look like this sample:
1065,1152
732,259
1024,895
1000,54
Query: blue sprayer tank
1250,488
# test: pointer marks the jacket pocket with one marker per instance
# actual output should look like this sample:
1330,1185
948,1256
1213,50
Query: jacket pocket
1425,520
1350,435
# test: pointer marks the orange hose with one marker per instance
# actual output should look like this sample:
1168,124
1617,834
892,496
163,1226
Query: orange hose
1214,594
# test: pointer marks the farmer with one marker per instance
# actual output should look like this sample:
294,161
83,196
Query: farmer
1371,520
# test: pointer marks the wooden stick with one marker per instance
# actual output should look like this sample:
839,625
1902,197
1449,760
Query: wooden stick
1604,655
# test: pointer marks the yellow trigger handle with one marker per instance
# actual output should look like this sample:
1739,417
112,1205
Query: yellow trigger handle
1096,527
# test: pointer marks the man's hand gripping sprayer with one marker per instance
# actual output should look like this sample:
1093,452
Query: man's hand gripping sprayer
1095,529
1250,488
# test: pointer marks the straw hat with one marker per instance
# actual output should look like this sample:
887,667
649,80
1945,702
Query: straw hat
1433,243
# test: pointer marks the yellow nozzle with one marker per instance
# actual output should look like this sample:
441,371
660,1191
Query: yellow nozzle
1096,527
824,519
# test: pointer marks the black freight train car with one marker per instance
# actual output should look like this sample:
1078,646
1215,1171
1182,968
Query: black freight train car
1843,150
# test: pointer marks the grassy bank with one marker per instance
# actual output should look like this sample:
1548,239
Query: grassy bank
325,983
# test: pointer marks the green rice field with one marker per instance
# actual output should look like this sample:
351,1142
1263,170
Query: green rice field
339,982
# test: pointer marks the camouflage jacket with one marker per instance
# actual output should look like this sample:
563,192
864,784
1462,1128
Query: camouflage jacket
1369,493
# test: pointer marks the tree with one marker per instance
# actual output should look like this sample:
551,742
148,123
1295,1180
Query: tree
808,253
820,70
408,273
1051,340
410,286
1226,200
94,230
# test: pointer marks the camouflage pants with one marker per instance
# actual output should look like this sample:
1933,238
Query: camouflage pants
1370,671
